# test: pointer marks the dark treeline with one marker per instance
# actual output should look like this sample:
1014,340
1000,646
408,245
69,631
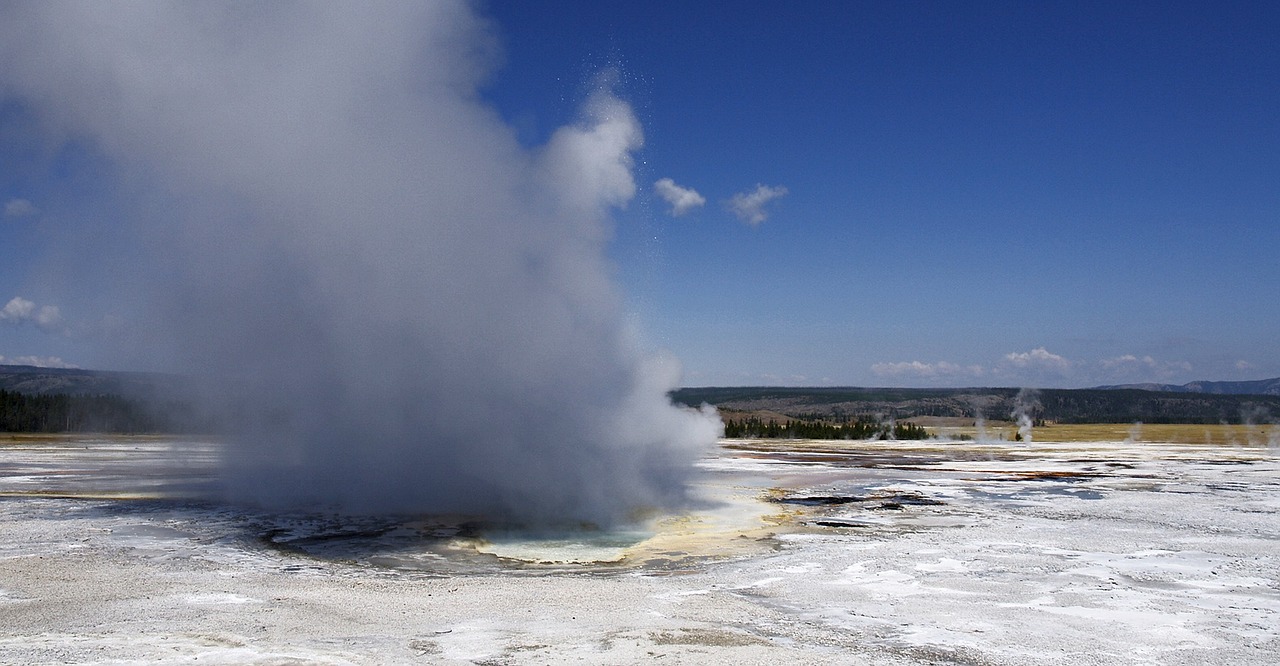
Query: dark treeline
1048,405
753,427
76,413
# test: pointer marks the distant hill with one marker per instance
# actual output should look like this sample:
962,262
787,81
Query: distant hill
54,400
1196,402
1058,405
30,380
1256,387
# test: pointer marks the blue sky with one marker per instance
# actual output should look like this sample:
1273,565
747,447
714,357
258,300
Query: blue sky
1047,194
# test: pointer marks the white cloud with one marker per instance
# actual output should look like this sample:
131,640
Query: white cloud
682,199
48,317
922,370
37,361
1038,359
21,311
1146,367
1128,361
749,206
19,208
17,310
1039,365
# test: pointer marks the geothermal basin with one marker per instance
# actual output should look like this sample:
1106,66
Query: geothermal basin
805,552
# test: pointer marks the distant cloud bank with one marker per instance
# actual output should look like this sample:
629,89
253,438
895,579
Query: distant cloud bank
681,199
1144,368
1037,367
921,370
750,206
38,361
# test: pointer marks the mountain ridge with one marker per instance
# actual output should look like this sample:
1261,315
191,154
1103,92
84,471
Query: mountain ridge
1252,387
34,380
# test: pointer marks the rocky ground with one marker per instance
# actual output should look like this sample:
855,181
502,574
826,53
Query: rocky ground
806,552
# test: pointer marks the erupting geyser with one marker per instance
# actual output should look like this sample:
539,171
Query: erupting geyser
412,311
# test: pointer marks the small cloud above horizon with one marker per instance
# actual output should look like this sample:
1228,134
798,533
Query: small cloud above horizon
1038,358
681,199
750,206
19,208
19,311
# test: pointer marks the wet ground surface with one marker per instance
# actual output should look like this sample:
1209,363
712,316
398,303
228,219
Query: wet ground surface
804,552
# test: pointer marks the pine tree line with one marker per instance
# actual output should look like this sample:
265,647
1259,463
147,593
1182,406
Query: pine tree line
754,427
73,413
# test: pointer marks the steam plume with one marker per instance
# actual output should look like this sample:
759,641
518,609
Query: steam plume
414,312
1024,405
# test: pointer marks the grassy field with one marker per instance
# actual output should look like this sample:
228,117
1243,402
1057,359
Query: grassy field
1258,435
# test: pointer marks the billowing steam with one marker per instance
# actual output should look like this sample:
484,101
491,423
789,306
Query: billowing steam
412,312
1024,406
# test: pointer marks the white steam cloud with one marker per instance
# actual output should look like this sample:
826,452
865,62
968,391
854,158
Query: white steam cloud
750,206
681,199
1025,405
415,313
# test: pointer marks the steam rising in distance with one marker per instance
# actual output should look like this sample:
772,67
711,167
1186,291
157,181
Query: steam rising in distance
410,310
1024,406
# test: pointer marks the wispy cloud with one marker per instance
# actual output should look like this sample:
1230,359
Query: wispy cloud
750,206
1145,367
682,199
37,361
1038,367
20,311
926,371
19,208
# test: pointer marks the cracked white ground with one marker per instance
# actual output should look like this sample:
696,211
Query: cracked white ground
806,552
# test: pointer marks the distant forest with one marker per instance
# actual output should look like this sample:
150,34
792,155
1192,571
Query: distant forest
41,400
62,413
1049,405
754,427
